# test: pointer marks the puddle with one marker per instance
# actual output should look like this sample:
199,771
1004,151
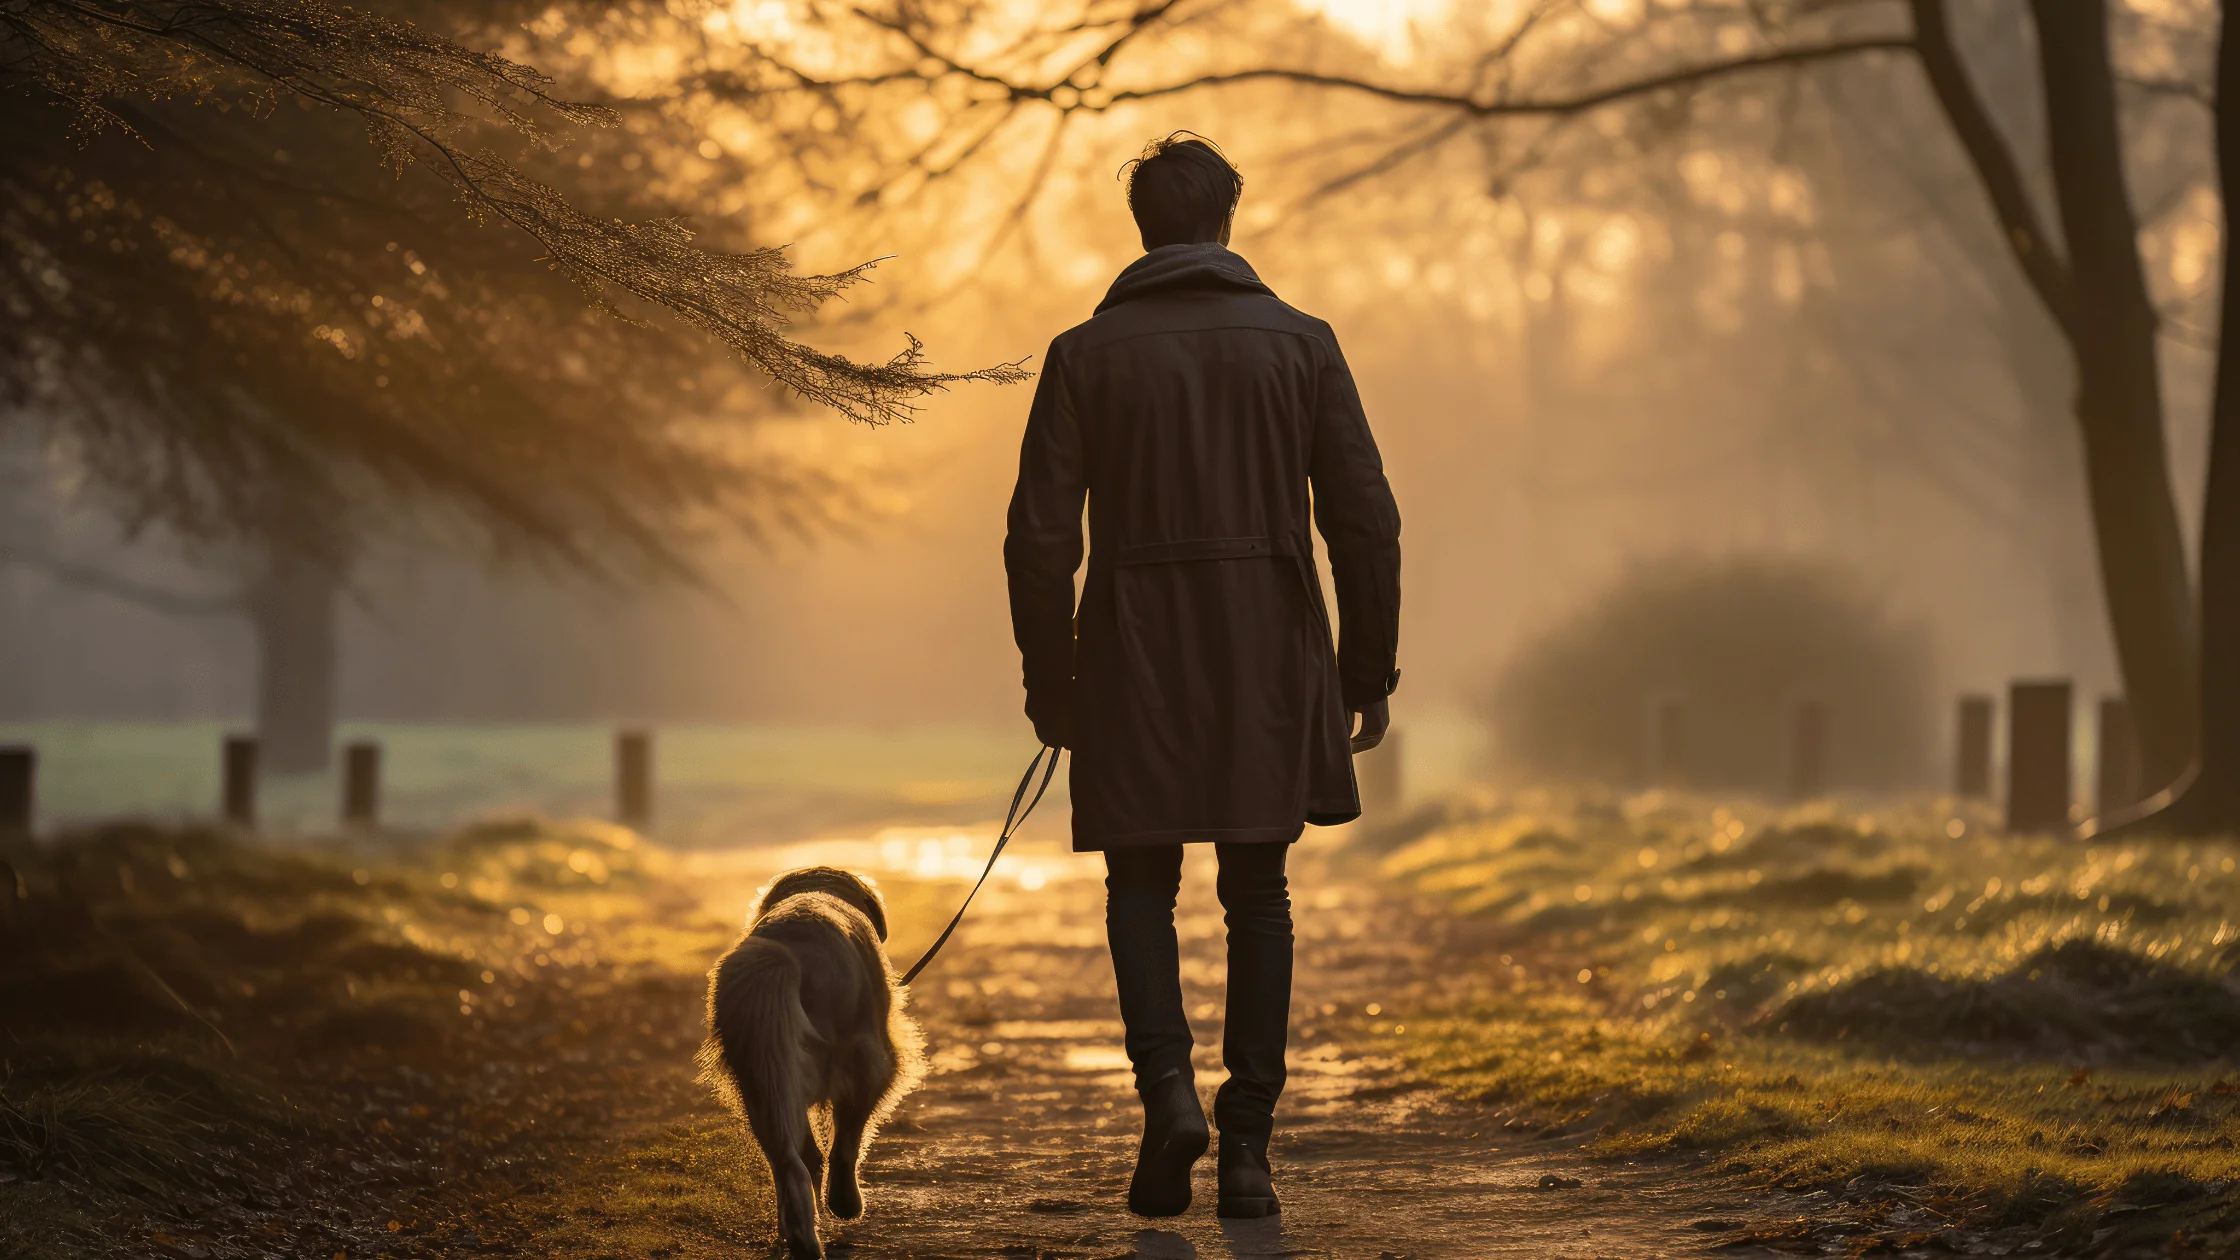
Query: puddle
1102,1030
1097,1059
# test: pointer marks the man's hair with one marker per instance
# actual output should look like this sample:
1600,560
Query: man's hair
1181,189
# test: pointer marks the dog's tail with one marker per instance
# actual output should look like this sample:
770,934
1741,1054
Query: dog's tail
760,1051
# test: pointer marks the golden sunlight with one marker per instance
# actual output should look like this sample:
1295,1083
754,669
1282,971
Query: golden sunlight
1387,25
519,641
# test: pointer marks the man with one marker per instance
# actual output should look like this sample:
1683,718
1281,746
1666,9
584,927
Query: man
1197,688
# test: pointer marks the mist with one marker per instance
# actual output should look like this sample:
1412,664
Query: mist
1777,326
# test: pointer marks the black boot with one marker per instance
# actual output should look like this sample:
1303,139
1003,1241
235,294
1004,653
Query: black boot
1174,1136
1247,1189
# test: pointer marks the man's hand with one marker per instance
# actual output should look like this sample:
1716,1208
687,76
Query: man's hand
1053,719
1375,720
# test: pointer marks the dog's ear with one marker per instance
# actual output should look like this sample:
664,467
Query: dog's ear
873,908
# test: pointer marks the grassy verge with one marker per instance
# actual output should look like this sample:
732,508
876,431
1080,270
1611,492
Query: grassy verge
1941,1033
213,1048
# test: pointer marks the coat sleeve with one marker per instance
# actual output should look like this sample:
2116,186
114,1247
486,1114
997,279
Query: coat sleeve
1042,549
1360,523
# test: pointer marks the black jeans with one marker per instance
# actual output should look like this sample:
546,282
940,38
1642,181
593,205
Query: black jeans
1140,887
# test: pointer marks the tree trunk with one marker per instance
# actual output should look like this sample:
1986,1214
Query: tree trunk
2110,325
2212,804
293,607
2143,571
2053,520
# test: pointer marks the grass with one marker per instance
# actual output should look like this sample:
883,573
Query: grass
1944,1027
211,1047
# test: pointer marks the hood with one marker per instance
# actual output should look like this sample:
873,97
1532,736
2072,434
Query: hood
1203,268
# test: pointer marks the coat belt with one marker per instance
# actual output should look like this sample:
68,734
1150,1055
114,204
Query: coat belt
1241,548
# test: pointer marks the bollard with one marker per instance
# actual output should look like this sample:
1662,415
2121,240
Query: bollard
1808,749
18,767
241,780
361,784
1668,745
633,778
1972,775
2038,756
1377,774
2119,757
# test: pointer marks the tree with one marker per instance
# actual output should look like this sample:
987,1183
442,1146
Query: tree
2090,280
245,329
2210,802
1559,63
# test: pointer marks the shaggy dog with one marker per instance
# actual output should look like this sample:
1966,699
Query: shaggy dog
803,1013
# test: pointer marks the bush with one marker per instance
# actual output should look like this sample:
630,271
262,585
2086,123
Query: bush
1733,646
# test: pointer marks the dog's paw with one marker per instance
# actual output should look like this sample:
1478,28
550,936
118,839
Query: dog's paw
845,1200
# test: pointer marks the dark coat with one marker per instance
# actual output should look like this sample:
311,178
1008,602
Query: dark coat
1197,687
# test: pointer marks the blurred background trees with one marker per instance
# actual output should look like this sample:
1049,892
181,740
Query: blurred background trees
271,289
1623,279
2057,152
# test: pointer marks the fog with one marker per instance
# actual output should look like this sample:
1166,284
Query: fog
1779,325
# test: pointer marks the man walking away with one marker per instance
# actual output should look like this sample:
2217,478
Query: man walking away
1203,420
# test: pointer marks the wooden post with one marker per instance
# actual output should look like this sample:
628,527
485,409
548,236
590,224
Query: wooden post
361,784
241,780
18,767
1808,749
633,777
2119,757
1668,745
1972,774
2038,792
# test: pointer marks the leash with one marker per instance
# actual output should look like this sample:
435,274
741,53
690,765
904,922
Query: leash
1012,819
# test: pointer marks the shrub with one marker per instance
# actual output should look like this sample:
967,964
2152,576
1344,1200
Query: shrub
1735,646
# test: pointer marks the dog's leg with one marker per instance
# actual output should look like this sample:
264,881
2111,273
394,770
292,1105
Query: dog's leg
766,1047
812,1157
797,1190
797,1208
861,1083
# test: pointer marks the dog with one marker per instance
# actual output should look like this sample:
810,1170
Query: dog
804,1016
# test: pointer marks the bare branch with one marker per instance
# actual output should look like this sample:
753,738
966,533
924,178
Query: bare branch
2027,239
1393,158
2200,94
116,586
1065,95
1546,107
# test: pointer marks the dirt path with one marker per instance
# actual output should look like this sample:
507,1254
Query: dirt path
1021,1141
212,1049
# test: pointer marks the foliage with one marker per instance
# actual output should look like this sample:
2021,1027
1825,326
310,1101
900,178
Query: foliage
236,321
2027,1032
1737,644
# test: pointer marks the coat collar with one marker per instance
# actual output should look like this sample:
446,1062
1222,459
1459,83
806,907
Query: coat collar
1206,267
